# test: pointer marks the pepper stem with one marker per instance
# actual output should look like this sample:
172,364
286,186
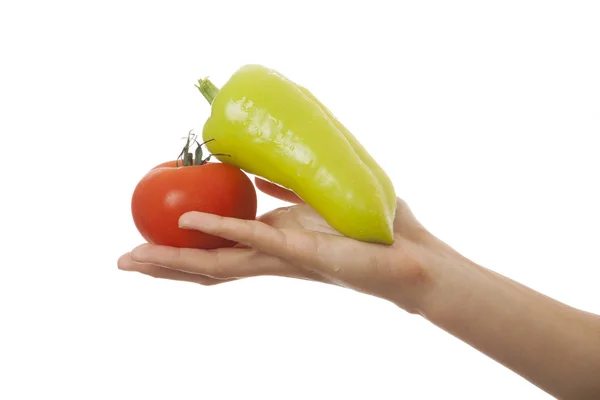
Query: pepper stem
208,89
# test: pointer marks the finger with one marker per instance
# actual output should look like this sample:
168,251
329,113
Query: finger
277,191
125,263
219,263
292,245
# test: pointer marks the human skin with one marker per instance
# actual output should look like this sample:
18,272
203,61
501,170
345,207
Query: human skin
554,346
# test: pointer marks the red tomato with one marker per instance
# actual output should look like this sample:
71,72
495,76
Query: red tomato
167,192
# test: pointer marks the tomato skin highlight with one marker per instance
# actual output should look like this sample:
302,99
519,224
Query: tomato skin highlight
166,192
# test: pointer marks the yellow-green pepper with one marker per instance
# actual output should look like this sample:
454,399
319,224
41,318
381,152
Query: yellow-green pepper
271,127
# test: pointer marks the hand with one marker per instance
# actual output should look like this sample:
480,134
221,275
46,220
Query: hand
296,242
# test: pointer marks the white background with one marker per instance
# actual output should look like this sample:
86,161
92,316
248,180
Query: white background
485,114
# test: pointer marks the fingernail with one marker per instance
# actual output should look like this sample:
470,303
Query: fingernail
121,262
184,220
138,252
195,219
127,263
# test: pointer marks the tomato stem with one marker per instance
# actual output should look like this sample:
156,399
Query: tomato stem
194,158
208,89
185,152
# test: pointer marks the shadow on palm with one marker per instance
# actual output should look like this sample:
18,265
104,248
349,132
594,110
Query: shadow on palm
298,216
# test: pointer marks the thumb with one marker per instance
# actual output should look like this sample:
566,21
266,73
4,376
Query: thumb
277,191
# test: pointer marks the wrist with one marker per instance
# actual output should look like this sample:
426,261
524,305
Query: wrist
451,282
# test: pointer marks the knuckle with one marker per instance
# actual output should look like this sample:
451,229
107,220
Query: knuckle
186,259
283,238
177,256
317,245
218,269
257,229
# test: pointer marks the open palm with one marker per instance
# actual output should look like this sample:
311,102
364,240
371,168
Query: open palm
296,242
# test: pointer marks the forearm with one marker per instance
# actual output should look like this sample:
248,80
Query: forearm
554,346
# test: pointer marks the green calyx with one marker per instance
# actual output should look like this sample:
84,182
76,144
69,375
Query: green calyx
188,158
